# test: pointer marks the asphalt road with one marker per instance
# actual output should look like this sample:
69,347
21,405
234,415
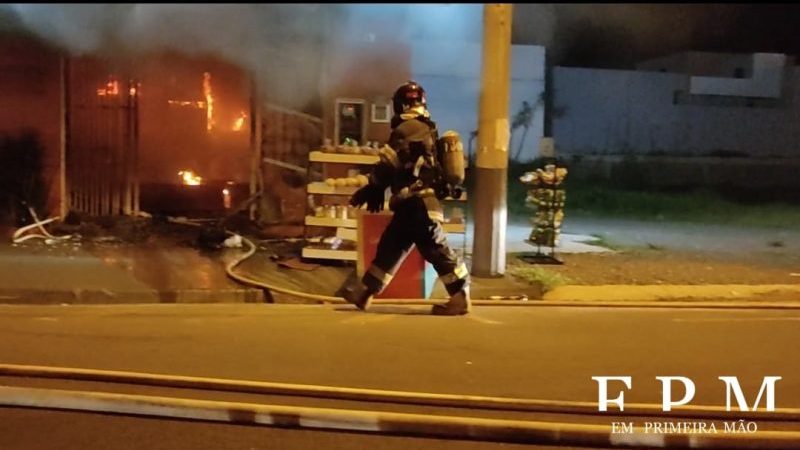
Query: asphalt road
22,429
528,352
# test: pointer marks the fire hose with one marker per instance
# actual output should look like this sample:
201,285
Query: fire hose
230,267
18,237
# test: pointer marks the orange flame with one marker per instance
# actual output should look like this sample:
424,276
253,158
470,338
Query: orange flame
189,178
111,88
238,124
209,101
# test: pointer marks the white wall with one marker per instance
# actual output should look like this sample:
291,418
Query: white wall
766,79
706,64
450,74
612,111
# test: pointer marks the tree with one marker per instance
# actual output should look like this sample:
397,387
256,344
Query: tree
524,118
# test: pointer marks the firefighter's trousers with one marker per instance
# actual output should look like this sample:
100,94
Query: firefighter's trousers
413,224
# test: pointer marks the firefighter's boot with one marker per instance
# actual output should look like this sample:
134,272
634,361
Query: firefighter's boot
459,304
358,294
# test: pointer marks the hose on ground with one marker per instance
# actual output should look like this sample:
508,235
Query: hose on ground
18,237
247,281
251,250
229,269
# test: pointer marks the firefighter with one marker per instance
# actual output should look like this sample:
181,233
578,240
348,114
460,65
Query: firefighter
412,167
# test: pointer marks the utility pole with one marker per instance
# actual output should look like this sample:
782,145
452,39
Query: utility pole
489,241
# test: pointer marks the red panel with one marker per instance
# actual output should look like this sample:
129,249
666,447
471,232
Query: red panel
409,281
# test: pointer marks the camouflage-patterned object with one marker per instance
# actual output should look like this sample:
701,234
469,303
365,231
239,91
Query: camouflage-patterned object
548,198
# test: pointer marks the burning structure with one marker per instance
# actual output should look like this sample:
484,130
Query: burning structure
175,136
193,140
155,139
129,125
191,112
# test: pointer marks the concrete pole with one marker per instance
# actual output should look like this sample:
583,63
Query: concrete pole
489,242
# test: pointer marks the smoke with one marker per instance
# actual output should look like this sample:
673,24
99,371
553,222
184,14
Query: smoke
279,44
284,45
414,22
618,35
535,24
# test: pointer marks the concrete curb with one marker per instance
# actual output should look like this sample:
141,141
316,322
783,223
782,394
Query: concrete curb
105,296
667,304
615,296
657,292
447,427
237,296
699,304
604,304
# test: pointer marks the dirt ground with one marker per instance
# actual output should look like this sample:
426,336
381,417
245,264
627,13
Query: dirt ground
680,253
665,266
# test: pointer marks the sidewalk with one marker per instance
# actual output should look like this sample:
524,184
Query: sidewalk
112,273
68,273
516,234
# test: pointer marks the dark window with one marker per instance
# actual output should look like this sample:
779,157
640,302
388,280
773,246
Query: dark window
351,121
738,72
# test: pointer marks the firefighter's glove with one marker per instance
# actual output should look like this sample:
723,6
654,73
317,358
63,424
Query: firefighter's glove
370,194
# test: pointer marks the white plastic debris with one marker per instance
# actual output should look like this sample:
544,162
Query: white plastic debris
234,241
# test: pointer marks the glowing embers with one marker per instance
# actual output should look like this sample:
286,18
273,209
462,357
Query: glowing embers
226,195
238,124
198,105
189,178
111,88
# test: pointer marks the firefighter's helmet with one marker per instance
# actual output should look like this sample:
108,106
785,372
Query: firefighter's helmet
409,95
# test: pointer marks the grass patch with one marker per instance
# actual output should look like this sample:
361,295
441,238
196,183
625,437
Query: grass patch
535,274
697,205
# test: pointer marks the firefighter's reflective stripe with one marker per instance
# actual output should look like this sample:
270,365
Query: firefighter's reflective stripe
388,155
418,165
437,216
427,192
380,275
459,273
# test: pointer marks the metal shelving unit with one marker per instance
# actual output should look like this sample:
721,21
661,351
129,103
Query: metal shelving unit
347,228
